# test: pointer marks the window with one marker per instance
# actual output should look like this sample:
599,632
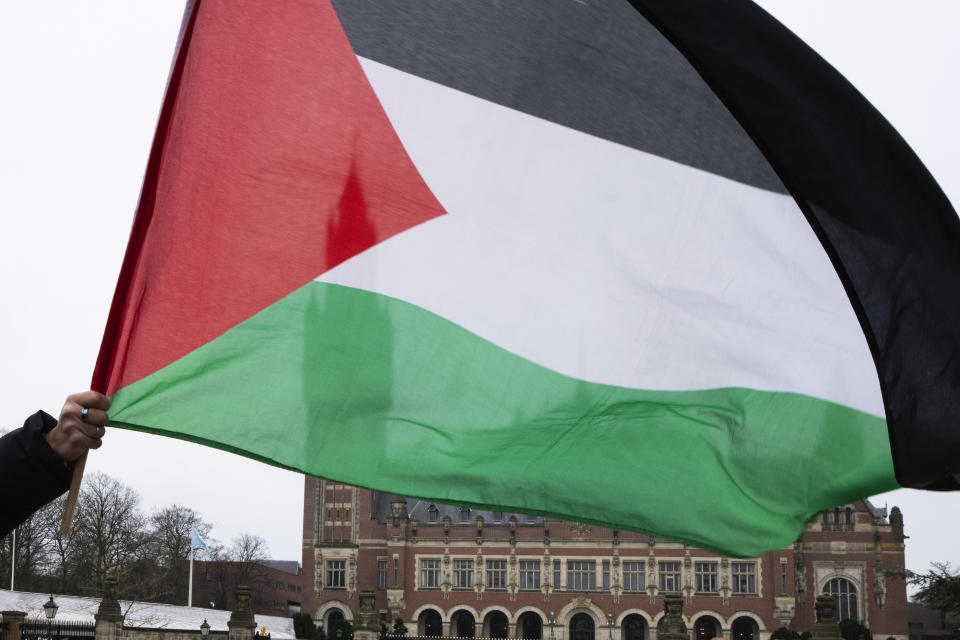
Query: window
464,514
606,574
705,574
669,576
634,576
430,573
496,574
336,574
498,516
845,596
381,574
848,519
396,571
744,577
463,574
529,574
582,575
433,514
556,574
783,575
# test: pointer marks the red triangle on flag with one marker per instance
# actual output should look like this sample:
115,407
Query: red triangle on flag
273,162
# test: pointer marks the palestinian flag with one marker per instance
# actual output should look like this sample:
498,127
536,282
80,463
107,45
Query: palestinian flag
652,265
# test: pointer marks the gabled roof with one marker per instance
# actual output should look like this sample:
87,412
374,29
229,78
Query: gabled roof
420,510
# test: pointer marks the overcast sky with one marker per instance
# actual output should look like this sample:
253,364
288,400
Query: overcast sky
82,83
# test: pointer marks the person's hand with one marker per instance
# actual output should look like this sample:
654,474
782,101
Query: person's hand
80,426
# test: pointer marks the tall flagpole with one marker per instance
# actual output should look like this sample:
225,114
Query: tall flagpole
13,556
190,588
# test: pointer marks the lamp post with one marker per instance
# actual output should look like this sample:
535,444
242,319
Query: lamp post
610,624
339,632
50,610
552,618
205,628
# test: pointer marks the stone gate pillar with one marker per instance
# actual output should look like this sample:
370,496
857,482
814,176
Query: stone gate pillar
241,623
827,627
671,626
366,626
109,617
11,624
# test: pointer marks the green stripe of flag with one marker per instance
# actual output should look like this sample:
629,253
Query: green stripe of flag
435,412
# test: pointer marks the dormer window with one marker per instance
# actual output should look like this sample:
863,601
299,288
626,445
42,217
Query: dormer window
433,513
464,514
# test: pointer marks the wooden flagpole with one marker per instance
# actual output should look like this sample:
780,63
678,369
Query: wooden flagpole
74,493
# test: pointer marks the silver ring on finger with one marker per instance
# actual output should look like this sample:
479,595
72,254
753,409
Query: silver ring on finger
83,413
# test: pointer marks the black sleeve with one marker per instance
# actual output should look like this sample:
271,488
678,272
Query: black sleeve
31,474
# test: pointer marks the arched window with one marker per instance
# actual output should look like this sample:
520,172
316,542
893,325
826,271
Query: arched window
430,624
848,518
334,617
530,626
836,516
581,627
464,626
634,627
433,514
706,628
744,628
496,625
845,596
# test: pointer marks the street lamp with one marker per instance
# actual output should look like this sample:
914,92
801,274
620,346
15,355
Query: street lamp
339,633
50,609
552,618
205,628
610,623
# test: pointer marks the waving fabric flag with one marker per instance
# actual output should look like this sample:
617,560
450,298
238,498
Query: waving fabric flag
198,542
650,265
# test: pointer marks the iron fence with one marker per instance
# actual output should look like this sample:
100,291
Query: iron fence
53,630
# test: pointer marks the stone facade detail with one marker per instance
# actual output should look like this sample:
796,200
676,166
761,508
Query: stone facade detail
609,581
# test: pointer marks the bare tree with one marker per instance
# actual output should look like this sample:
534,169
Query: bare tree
170,541
240,563
214,581
110,529
32,553
248,552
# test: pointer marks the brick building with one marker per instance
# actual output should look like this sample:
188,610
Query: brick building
453,571
275,585
928,624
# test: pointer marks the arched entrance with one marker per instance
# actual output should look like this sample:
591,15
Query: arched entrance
462,625
706,628
581,627
334,617
845,597
634,627
745,628
496,625
429,624
530,626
